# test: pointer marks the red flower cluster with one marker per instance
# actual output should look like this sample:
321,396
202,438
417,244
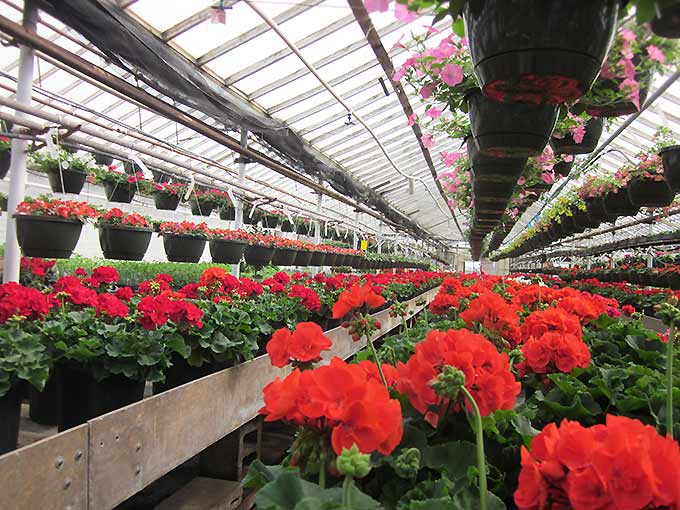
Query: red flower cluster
22,302
111,306
494,314
103,275
552,319
443,303
185,228
357,297
304,345
170,188
157,310
308,297
72,290
116,216
67,209
623,465
487,373
160,284
341,398
37,267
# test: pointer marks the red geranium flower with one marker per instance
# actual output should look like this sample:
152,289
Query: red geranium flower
304,345
551,319
443,303
494,314
357,297
124,293
111,305
22,302
105,275
308,297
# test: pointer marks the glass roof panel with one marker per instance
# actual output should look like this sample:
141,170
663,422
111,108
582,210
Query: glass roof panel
163,14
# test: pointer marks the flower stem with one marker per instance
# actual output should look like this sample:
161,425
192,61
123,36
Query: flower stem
346,495
322,469
669,379
481,461
377,360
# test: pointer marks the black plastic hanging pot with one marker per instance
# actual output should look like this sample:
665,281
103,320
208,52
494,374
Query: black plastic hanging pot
259,255
166,201
159,177
583,220
131,168
73,180
670,156
228,213
506,130
270,221
201,208
81,397
539,52
183,248
597,211
103,159
667,23
618,202
122,192
567,144
285,257
286,226
331,259
301,228
318,258
10,415
49,237
493,178
623,107
226,251
563,167
124,242
5,160
303,258
650,193
341,260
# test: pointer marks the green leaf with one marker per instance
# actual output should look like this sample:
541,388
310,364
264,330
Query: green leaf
459,27
644,11
452,458
285,492
445,503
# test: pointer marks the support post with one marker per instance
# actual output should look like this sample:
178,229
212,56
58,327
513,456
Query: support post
317,227
17,169
355,243
235,268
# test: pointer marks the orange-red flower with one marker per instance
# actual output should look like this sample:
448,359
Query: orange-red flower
551,319
494,314
304,345
355,298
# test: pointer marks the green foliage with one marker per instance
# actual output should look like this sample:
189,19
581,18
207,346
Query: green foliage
23,357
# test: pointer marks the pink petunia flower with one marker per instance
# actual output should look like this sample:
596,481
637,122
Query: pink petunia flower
398,74
449,158
376,5
402,13
434,112
452,74
656,54
412,119
579,132
426,91
428,141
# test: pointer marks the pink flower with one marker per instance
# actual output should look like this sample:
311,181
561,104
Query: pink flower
452,74
656,54
628,68
434,112
606,73
444,50
449,158
548,177
628,35
402,13
521,181
431,30
426,92
578,133
399,44
376,5
412,119
428,141
568,158
634,91
399,74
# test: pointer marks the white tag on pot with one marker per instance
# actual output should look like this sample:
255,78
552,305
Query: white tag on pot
230,194
49,141
190,188
135,159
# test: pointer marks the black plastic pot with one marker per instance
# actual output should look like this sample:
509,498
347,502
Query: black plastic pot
597,211
331,259
224,251
228,213
248,219
81,397
619,203
166,202
286,226
259,255
563,167
124,242
650,193
583,220
341,260
270,221
536,51
201,208
160,177
303,258
183,248
510,129
73,180
285,257
43,404
49,237
623,107
122,192
670,156
103,159
318,259
5,160
668,24
301,229
567,144
10,415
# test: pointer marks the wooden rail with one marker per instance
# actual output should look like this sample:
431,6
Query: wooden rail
100,464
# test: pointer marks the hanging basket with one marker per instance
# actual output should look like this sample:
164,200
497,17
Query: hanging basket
131,168
650,193
259,256
5,160
269,221
286,226
49,237
248,219
567,144
103,159
340,261
201,208
183,248
73,180
166,202
159,177
284,257
670,156
563,167
536,51
318,259
597,211
618,203
228,213
331,259
226,251
504,130
668,23
303,258
10,414
121,192
301,229
621,108
124,242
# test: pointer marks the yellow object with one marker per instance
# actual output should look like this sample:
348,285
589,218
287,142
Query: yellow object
364,245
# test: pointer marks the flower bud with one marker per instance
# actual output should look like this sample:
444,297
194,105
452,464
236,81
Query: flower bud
408,463
353,463
449,382
378,324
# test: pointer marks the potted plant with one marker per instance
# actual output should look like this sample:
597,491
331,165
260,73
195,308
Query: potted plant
184,241
286,224
669,152
251,214
272,218
635,56
302,225
304,255
50,228
663,15
227,208
124,236
576,134
23,355
66,172
5,155
261,251
118,186
286,251
160,177
227,246
203,202
103,159
167,196
647,185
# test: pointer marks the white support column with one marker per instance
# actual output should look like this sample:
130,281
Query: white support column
317,228
238,220
356,231
380,240
17,169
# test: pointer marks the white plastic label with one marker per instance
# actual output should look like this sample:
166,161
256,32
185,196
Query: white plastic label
52,133
139,163
190,188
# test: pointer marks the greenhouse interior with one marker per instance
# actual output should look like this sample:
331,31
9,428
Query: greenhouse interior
329,254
